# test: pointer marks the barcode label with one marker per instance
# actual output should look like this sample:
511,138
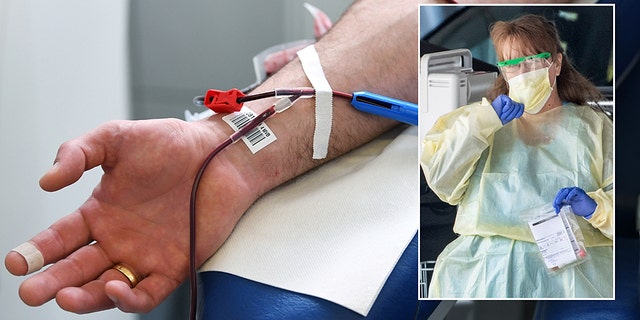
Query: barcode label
240,120
255,139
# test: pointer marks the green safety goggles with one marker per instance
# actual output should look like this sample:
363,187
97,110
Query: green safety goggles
516,61
514,67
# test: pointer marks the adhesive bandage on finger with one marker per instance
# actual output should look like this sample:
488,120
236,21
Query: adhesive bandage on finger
324,100
31,254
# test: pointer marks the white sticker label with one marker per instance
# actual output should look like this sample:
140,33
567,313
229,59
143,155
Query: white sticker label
255,139
555,241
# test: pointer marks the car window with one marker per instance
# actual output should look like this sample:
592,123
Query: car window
586,33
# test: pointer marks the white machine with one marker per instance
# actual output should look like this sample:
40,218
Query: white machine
447,81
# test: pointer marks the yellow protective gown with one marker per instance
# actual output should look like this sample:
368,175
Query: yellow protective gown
494,173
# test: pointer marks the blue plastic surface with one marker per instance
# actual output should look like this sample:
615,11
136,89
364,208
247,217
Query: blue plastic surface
230,297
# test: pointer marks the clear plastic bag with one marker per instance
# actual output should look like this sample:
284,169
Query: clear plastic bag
558,236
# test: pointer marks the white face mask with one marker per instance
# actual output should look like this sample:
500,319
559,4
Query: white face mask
531,89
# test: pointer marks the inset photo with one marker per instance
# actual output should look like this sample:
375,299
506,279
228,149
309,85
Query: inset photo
516,152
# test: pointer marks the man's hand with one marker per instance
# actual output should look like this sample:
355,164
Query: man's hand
137,215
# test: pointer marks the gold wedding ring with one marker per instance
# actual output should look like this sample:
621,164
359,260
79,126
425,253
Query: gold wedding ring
127,272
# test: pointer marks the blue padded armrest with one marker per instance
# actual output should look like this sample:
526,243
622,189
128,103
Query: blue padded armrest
231,297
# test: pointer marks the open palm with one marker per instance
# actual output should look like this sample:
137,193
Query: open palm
137,215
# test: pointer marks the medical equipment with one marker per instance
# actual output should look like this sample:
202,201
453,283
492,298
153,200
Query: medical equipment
448,81
386,107
232,100
281,105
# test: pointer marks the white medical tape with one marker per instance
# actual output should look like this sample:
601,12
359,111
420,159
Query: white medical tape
324,100
33,256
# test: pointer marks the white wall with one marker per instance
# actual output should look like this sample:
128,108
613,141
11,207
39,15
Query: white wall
63,71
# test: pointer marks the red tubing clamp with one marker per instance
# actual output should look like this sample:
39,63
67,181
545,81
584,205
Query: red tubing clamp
223,101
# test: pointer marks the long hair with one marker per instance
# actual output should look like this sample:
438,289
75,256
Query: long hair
537,34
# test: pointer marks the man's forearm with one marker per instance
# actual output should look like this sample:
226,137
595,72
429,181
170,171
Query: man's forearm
374,48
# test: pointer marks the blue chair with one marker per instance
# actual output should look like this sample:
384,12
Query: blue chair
227,296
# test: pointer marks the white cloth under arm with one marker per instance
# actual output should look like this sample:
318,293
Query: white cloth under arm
336,232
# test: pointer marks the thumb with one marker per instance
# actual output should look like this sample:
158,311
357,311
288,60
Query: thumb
76,156
67,168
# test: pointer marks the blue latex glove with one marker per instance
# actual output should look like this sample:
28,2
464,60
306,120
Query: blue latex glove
507,109
580,202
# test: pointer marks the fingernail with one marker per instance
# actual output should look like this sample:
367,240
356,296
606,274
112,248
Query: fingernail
31,254
54,166
113,298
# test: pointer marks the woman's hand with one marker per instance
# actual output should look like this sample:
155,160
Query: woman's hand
137,215
580,202
507,109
